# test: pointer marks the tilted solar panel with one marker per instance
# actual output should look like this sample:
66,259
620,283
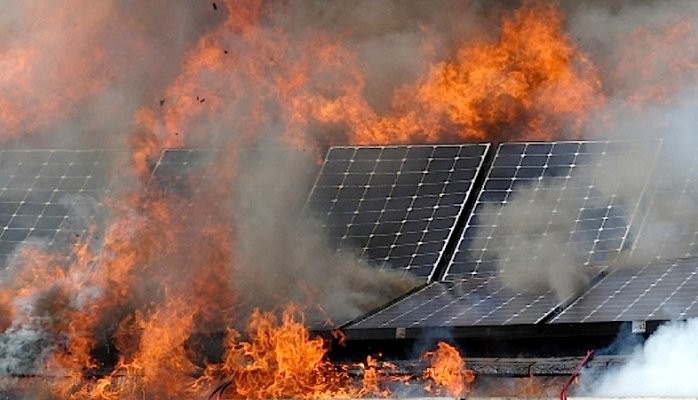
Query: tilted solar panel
178,170
669,223
50,197
469,302
553,202
654,291
396,205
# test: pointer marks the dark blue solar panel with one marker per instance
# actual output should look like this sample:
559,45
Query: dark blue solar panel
654,291
397,205
468,302
52,197
543,195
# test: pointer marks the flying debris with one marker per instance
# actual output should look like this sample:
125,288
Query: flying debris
441,179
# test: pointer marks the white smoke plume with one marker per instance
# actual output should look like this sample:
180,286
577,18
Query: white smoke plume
664,366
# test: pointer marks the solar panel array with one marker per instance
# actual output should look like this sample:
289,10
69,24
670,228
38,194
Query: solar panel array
655,291
49,196
548,195
397,205
400,207
469,302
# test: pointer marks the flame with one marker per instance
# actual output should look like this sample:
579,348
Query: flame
281,360
448,371
530,82
162,272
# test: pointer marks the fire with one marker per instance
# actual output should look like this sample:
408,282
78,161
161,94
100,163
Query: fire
282,360
530,82
531,79
161,274
448,371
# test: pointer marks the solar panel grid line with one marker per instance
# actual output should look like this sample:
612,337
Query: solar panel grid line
179,170
672,199
644,294
394,312
498,308
463,303
461,310
654,291
598,307
529,306
398,205
693,306
398,315
425,311
44,195
667,300
599,231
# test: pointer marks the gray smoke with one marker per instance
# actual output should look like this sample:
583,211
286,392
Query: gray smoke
75,73
645,54
534,253
283,253
99,63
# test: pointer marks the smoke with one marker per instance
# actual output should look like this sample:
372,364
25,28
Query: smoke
664,366
650,102
75,73
534,252
270,86
282,252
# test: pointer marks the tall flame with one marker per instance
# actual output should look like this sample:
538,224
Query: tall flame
162,273
530,82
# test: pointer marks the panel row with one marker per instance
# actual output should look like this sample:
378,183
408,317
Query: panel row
397,205
650,292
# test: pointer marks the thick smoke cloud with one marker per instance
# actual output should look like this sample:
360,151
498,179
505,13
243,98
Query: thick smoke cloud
126,74
645,55
282,253
663,367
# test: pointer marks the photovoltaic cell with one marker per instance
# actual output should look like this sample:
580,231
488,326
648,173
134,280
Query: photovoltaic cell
475,301
669,227
178,170
398,205
655,291
49,196
552,195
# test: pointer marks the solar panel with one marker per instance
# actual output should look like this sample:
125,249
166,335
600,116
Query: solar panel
553,202
475,301
178,170
654,291
49,196
669,226
397,205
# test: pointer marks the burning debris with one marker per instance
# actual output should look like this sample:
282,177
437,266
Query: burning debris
132,307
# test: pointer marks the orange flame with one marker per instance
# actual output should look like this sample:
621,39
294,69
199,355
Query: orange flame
146,288
448,371
531,82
